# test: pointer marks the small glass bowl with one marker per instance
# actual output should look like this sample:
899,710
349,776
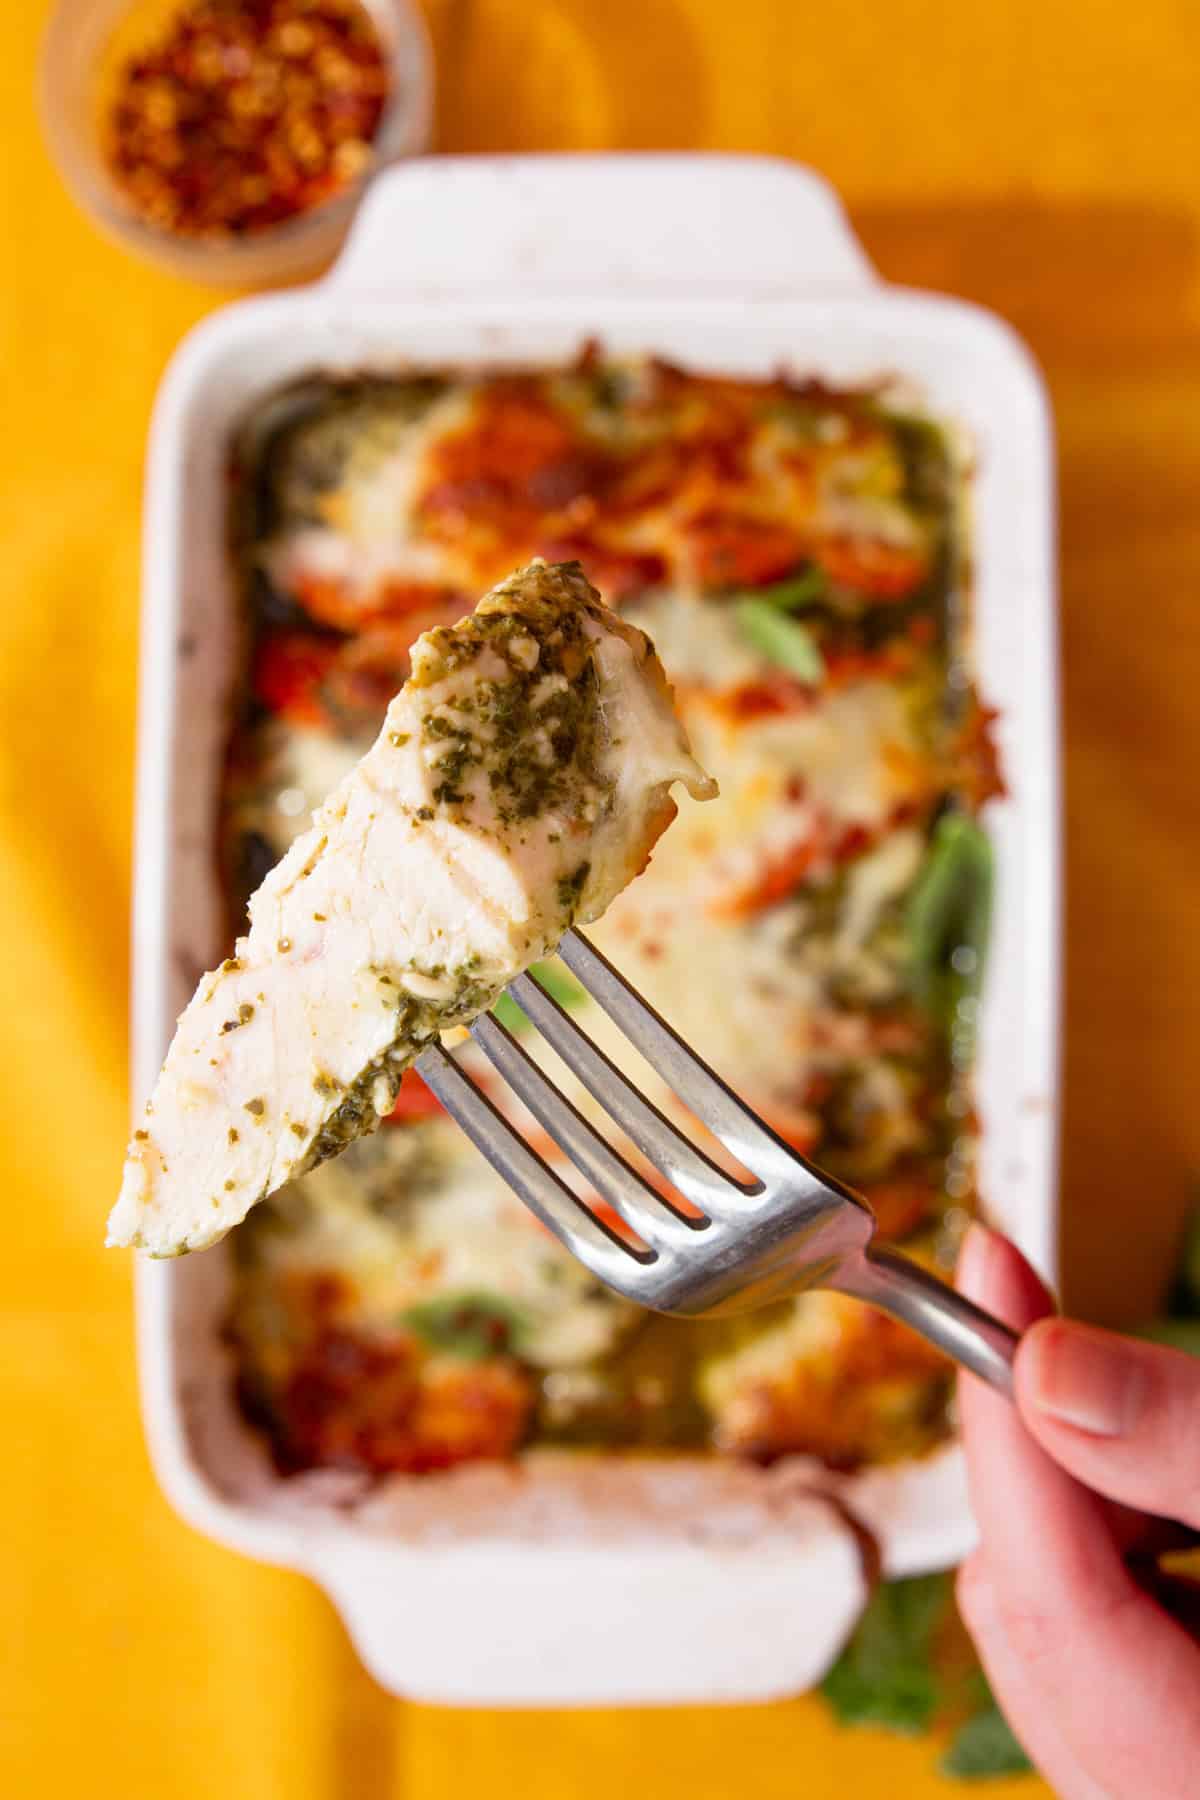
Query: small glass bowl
75,50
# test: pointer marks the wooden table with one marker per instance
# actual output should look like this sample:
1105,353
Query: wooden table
1033,155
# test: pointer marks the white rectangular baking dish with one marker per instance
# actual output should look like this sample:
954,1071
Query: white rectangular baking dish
587,1580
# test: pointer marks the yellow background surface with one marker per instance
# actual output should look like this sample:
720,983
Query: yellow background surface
1038,155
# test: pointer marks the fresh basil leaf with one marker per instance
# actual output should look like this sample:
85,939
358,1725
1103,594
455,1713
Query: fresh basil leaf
886,1677
804,589
471,1326
509,1014
560,986
885,1674
783,640
949,916
903,1701
913,1609
559,983
925,457
984,1745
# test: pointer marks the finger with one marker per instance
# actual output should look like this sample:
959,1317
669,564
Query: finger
1020,1699
1121,1416
1129,1526
1116,1676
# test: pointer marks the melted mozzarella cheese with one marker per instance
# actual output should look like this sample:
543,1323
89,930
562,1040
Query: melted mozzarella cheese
874,881
368,534
297,769
699,641
848,758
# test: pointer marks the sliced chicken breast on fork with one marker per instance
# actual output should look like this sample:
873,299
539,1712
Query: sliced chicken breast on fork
520,781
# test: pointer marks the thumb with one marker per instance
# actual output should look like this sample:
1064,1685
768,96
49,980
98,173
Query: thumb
1121,1416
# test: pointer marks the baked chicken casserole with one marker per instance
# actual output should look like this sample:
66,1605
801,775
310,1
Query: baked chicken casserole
797,556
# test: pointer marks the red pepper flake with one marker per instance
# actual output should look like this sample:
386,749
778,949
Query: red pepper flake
246,113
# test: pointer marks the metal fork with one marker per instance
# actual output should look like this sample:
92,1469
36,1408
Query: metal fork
790,1228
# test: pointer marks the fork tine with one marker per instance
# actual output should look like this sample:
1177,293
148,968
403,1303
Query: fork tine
727,1117
654,1219
671,1153
559,1210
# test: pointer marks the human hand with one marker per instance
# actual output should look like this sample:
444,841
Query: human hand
1097,1679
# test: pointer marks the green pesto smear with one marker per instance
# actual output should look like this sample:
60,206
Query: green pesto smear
535,733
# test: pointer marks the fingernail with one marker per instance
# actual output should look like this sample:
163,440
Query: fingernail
1083,1377
974,1257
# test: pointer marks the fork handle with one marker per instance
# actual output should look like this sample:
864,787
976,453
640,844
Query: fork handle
954,1324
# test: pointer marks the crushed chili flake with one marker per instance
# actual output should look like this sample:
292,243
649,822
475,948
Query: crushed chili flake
246,113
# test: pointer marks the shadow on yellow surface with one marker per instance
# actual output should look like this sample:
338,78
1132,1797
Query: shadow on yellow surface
570,75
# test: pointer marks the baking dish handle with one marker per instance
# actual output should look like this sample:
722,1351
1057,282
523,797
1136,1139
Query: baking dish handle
617,224
574,1619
